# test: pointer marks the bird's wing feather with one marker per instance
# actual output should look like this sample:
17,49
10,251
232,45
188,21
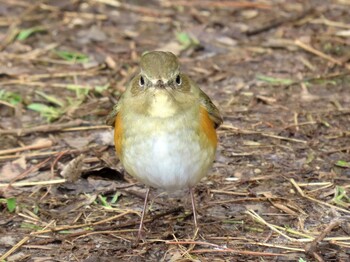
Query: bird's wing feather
110,119
213,111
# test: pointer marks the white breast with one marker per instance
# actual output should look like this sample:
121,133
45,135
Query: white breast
168,157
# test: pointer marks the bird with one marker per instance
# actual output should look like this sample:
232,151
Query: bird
165,128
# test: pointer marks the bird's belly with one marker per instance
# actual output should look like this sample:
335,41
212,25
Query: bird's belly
170,161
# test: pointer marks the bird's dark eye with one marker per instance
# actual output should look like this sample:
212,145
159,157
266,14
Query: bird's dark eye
178,80
142,81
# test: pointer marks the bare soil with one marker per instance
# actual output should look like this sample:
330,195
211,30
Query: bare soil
278,70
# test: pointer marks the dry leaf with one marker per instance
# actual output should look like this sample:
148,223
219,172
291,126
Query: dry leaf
12,169
73,169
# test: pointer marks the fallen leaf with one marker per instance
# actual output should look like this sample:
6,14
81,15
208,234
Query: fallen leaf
94,33
78,143
105,137
8,241
342,163
73,169
12,169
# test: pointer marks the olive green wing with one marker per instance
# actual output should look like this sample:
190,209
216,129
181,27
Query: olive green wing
213,111
110,119
205,101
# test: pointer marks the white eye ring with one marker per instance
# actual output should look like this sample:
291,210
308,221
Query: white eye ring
141,81
178,80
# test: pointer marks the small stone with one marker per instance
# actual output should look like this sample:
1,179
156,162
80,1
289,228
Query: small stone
257,171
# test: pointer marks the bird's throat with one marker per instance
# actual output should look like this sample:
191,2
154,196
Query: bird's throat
162,105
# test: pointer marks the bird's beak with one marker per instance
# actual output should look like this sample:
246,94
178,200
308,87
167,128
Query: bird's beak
160,84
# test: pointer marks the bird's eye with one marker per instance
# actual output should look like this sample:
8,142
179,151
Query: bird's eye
178,80
142,81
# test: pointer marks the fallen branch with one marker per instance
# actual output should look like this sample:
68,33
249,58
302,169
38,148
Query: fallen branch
40,144
301,192
55,229
217,248
36,183
280,21
251,132
41,129
316,52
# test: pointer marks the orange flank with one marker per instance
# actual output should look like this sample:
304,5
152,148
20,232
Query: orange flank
118,134
207,126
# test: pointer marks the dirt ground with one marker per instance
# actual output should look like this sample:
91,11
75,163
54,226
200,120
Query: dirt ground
279,72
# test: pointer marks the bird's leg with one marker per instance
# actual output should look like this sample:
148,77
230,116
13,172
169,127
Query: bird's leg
194,208
139,234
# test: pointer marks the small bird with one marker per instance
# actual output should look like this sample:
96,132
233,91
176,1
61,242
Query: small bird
165,125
